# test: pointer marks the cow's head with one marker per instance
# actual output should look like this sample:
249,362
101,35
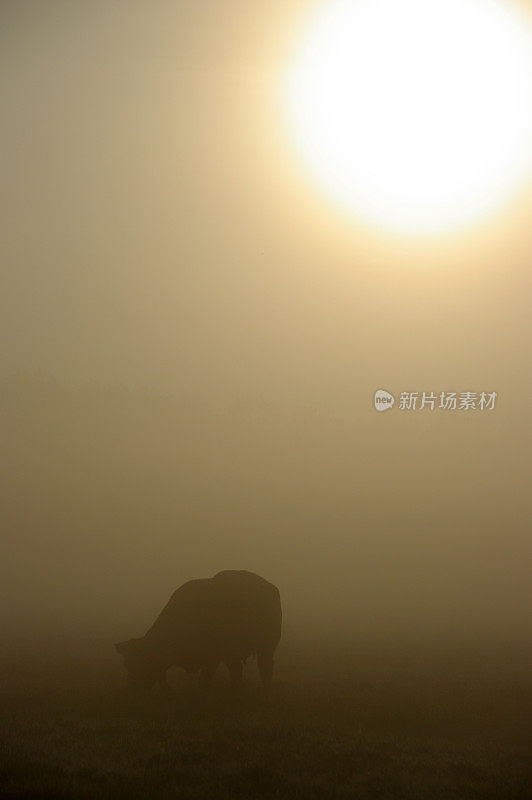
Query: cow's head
139,663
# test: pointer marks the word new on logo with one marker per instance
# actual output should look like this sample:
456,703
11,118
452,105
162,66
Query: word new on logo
383,400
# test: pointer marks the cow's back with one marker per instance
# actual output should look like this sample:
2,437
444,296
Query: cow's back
232,615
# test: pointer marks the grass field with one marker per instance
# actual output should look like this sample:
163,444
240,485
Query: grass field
337,725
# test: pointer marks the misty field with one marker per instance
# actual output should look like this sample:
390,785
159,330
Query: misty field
353,725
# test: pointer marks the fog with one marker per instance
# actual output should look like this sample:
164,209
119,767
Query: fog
191,337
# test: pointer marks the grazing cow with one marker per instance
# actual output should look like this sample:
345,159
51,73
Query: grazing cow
226,618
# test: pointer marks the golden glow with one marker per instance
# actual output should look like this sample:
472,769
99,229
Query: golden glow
415,114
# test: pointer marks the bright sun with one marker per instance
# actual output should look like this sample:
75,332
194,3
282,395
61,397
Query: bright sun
415,114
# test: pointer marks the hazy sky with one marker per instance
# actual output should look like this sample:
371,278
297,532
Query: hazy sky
159,226
159,229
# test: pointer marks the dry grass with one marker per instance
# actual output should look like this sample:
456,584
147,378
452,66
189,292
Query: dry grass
341,727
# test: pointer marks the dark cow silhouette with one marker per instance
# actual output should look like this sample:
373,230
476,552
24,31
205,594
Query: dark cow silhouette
222,619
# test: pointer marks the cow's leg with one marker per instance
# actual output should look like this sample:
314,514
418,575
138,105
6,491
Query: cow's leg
265,664
235,673
206,674
164,686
